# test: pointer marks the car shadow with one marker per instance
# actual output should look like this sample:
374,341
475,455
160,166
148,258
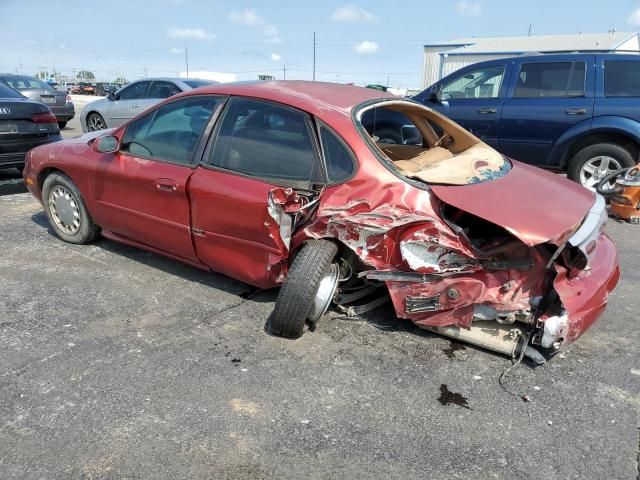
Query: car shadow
173,267
11,182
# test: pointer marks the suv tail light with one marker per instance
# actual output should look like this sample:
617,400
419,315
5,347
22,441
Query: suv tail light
46,117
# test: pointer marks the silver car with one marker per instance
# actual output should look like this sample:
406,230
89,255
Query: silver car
132,99
31,87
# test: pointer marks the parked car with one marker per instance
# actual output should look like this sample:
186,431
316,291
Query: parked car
103,89
132,99
24,124
31,87
278,183
571,112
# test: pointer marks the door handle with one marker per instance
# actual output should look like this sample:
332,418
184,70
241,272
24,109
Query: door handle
575,111
166,185
135,105
486,110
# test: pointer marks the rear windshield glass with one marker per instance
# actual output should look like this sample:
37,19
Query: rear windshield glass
23,83
199,83
6,92
425,146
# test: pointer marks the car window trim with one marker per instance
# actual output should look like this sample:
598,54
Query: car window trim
193,163
206,157
345,145
584,80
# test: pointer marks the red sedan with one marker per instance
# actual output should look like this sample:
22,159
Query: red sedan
281,184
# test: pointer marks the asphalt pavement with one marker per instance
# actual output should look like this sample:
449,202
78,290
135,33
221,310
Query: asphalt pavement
116,363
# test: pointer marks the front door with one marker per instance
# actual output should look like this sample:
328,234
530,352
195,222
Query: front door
260,150
129,102
545,99
141,190
473,98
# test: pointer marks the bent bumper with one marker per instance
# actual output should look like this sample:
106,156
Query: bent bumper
585,295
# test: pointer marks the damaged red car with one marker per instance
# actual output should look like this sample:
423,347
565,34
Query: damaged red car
283,184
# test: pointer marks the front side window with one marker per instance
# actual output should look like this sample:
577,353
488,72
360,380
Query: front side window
170,132
339,161
267,141
550,79
135,91
621,78
162,89
481,83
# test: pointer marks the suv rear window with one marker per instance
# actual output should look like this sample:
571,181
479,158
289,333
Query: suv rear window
621,78
552,79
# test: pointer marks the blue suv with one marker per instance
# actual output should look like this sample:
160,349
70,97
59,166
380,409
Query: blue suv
579,113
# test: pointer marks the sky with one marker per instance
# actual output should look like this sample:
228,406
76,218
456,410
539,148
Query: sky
374,41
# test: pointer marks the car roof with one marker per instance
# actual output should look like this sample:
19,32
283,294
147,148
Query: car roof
310,96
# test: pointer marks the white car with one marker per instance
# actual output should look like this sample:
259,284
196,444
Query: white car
132,99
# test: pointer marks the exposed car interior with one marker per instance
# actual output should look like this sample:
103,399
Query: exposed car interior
439,151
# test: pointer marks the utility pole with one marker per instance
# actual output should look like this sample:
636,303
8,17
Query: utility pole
314,56
529,30
145,71
186,58
284,71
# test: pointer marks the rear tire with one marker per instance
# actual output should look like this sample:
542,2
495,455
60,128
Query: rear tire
95,122
592,163
295,302
62,125
66,210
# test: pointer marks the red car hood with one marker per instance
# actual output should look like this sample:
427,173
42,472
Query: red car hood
534,205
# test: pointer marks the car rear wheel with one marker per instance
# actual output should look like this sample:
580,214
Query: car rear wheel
62,124
592,163
66,211
95,122
308,290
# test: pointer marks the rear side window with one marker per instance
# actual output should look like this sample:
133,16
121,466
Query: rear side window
621,78
161,89
267,141
553,79
340,165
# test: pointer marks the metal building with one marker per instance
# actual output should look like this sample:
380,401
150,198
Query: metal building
443,58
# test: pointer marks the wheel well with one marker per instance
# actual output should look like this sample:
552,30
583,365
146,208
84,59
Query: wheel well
44,174
622,140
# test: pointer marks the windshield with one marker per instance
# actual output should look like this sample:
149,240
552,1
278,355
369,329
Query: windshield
6,92
24,83
199,83
423,145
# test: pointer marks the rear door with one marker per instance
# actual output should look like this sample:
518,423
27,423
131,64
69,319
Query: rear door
263,157
545,99
129,102
141,190
473,97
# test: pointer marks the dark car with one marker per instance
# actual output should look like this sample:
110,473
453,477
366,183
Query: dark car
578,113
277,183
35,89
24,124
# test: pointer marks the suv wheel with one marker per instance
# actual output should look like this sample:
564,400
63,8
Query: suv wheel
592,163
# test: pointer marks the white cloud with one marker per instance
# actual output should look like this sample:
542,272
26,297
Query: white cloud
366,47
352,13
468,9
634,18
246,16
251,18
275,57
190,33
176,51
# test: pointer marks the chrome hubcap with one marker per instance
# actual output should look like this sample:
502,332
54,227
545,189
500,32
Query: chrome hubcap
64,210
596,169
325,293
95,123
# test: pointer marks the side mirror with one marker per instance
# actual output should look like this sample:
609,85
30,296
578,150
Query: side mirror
111,96
106,144
435,95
